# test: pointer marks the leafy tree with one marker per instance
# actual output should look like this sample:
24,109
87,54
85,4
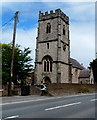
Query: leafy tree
93,65
22,63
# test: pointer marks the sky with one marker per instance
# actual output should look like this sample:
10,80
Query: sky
82,25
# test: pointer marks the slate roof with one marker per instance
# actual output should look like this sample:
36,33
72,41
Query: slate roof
76,64
84,73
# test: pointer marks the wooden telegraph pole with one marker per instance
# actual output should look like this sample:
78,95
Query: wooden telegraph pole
13,45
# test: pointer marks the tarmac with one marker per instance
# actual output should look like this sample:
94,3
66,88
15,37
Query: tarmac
9,99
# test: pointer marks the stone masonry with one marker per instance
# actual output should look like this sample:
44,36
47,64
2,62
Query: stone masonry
52,48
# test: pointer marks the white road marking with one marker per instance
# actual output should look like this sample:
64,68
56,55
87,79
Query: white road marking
62,106
11,117
93,100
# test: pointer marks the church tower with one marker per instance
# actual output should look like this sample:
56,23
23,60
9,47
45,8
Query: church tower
52,48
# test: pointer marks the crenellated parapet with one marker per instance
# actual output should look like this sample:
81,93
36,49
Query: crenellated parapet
51,15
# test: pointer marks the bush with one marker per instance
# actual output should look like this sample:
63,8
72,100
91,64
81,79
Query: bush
14,92
83,90
47,93
4,93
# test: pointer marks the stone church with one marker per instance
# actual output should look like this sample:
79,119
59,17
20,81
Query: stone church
53,63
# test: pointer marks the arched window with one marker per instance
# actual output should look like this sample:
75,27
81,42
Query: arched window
50,66
48,29
47,64
44,66
63,29
47,45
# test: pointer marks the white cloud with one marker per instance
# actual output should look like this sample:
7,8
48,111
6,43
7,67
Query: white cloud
83,42
82,28
82,11
16,6
23,38
48,0
76,11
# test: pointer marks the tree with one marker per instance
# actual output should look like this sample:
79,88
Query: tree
93,65
22,63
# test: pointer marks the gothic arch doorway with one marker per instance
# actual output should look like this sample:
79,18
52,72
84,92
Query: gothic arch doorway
47,80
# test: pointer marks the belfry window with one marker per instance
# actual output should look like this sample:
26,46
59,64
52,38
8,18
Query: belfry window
47,45
48,28
63,29
44,66
50,66
47,64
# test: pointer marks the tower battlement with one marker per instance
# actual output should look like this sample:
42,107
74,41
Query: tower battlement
52,14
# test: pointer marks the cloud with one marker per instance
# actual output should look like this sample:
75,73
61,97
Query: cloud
48,0
79,11
82,39
17,6
76,11
24,38
82,27
28,12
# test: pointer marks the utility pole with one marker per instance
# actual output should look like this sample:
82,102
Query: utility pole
13,45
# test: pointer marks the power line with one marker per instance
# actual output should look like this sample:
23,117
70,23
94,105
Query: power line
7,22
36,9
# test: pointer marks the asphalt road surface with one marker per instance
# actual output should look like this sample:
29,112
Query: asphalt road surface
76,106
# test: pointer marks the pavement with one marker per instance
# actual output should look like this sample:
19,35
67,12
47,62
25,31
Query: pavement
34,106
21,98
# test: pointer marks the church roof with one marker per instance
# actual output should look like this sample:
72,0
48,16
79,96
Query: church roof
84,73
76,64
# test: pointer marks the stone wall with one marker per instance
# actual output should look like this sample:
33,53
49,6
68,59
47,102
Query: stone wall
75,75
57,13
64,73
85,80
70,89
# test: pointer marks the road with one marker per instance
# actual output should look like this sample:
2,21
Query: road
76,106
